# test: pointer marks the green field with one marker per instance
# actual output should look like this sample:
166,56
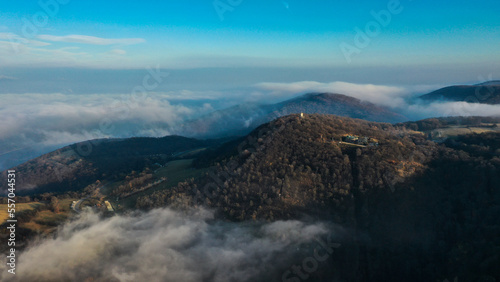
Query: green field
175,172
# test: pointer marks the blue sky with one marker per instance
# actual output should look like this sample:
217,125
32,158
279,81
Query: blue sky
191,34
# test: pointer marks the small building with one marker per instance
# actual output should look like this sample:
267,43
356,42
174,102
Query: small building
350,138
362,140
109,207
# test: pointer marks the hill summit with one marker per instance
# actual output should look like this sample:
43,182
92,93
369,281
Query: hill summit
241,119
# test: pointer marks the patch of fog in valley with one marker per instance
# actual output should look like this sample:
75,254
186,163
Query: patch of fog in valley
167,245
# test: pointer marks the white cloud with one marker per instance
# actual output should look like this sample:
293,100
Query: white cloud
390,96
72,113
443,109
86,39
37,122
165,245
117,52
18,51
42,121
16,39
6,77
8,36
21,52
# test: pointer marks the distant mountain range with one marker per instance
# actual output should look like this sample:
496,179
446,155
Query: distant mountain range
241,119
484,93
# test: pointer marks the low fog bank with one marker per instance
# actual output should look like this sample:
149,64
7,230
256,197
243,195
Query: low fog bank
166,245
34,124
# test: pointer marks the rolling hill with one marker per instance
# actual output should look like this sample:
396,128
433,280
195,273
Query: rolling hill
79,165
484,93
241,119
336,104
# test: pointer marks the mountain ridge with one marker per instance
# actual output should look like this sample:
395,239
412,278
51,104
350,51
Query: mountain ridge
241,119
483,93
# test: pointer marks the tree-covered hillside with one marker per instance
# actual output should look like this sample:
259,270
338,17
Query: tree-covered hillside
415,209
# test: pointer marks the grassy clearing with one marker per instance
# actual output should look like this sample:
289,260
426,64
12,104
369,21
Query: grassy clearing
20,207
46,220
65,204
49,218
462,130
175,172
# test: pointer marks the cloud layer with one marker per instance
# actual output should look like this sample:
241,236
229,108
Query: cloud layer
53,51
38,123
165,245
47,115
93,40
399,99
33,124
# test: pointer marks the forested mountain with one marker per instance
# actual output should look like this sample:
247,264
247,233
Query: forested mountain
241,119
410,208
336,104
484,93
414,208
